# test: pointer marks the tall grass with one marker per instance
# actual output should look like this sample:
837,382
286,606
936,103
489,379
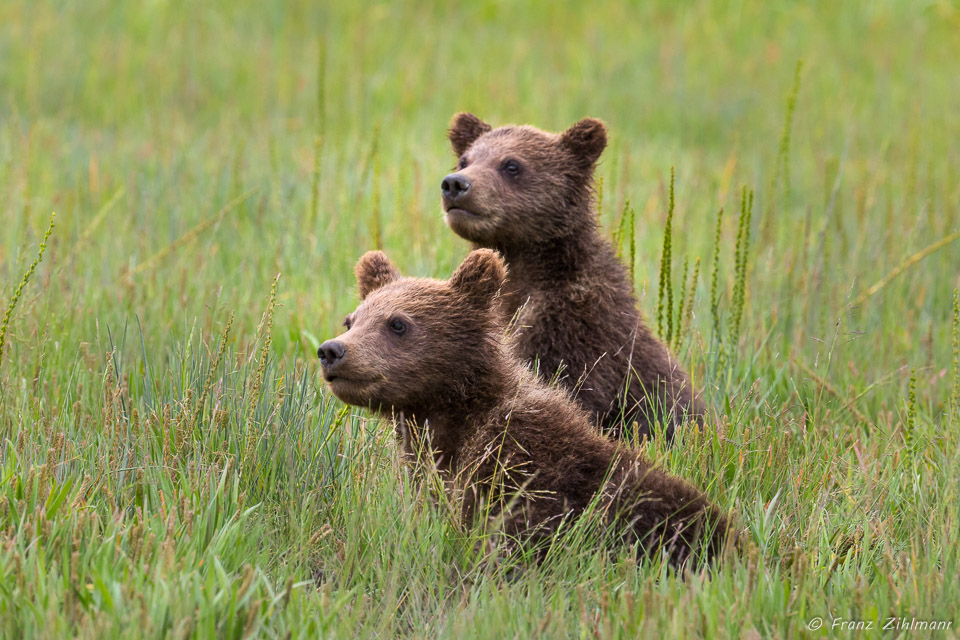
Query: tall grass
170,464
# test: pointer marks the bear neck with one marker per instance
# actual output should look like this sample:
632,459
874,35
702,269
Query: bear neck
459,410
554,261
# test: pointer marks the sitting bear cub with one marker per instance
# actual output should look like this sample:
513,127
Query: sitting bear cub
433,352
529,195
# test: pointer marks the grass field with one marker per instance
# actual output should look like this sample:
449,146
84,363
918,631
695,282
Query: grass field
170,463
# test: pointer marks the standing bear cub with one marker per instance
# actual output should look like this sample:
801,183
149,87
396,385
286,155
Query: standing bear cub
431,355
529,195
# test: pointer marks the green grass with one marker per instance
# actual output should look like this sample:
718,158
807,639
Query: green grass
163,474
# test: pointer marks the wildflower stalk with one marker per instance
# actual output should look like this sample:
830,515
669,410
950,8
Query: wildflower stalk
263,331
740,260
665,293
688,309
909,429
956,353
318,138
214,367
23,283
783,154
376,223
714,284
683,283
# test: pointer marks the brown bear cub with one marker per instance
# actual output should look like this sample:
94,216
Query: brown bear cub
529,195
521,452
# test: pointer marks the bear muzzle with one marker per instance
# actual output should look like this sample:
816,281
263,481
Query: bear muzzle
454,188
331,353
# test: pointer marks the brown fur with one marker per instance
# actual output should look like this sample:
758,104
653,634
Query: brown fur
573,301
524,451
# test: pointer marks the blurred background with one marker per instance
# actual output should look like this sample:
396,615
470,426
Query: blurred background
193,151
330,119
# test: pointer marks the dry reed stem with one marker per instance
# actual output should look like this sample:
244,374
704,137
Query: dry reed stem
903,266
152,261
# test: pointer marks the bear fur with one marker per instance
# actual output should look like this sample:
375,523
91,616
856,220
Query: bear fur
528,194
431,354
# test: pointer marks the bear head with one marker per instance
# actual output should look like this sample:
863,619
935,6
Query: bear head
516,186
417,342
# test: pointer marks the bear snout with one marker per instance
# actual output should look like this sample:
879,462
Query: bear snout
454,187
331,352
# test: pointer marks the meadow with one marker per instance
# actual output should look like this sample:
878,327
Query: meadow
170,463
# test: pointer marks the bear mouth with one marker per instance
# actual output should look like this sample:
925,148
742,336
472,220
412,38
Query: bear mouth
350,390
336,379
460,211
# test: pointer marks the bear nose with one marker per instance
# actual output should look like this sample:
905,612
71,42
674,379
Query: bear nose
331,352
454,187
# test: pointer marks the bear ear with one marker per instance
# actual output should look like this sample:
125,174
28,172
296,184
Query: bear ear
465,128
587,139
373,271
480,275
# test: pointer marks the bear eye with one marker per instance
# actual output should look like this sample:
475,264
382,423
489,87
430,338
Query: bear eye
462,163
398,326
512,167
